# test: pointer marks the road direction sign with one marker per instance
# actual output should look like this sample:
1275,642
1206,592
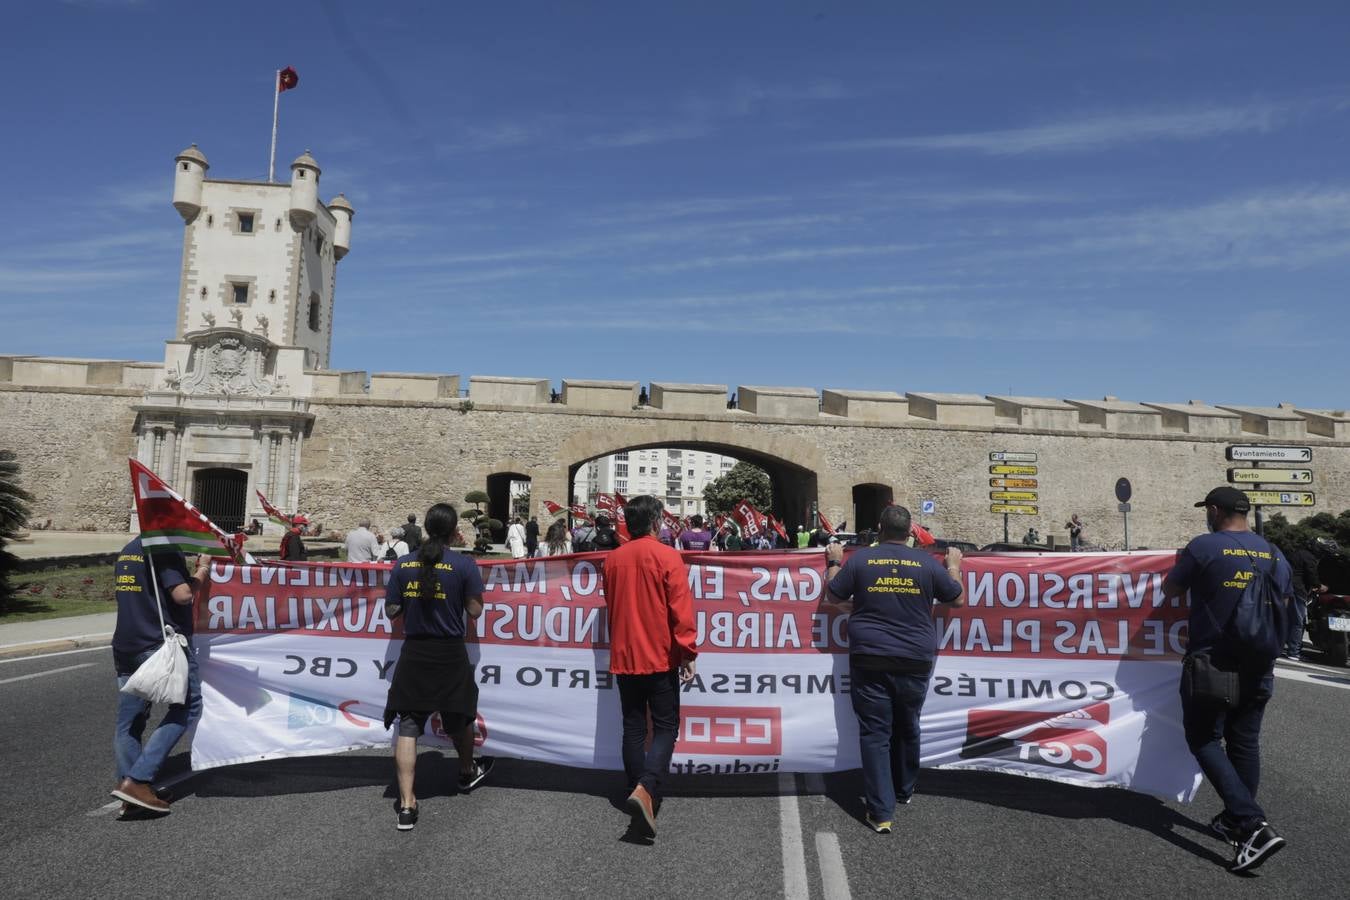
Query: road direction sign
1013,456
1013,495
928,507
1014,509
1123,490
1270,476
1281,498
1012,470
1014,483
1264,453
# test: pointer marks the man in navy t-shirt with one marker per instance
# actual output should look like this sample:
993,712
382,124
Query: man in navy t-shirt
892,642
136,637
1216,568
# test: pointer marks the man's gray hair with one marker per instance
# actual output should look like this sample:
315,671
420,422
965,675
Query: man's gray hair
364,523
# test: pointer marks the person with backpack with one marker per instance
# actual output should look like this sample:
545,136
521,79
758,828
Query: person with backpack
606,538
1239,586
395,547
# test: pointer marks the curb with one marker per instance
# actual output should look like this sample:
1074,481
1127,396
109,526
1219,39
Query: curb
56,645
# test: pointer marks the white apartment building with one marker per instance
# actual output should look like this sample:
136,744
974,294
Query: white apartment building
676,476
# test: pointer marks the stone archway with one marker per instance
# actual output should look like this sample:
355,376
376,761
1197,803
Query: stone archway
794,466
868,501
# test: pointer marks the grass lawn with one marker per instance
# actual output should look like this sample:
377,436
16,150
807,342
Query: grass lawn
61,592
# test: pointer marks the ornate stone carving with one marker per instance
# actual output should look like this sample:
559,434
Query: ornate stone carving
228,364
238,316
210,319
261,327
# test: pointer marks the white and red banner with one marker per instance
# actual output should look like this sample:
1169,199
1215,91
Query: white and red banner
1060,666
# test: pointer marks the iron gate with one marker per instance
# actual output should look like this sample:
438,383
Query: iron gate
221,495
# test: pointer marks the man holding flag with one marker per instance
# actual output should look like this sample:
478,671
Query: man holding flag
151,572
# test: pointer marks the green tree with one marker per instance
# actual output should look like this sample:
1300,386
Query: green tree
743,481
14,502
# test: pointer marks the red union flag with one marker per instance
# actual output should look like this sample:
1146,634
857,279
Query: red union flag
751,520
579,511
672,521
778,527
273,513
167,520
824,523
922,536
605,502
287,79
554,509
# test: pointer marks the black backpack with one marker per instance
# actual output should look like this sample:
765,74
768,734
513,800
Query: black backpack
605,539
1258,624
584,541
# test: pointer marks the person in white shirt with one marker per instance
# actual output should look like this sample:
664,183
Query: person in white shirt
395,546
361,544
515,539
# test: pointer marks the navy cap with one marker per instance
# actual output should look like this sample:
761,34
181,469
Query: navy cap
1228,498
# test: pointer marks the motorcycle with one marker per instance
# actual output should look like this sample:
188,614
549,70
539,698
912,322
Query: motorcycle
1329,612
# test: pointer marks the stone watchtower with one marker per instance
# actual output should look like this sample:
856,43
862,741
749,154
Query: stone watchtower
255,318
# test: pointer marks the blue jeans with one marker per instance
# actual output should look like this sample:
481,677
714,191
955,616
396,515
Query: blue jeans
639,695
142,763
1298,618
1227,744
887,705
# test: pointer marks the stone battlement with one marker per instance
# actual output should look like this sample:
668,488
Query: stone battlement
1107,416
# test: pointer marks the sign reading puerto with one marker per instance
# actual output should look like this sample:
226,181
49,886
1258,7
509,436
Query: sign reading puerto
1270,476
1266,453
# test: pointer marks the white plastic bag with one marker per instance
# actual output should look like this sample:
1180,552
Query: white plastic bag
163,678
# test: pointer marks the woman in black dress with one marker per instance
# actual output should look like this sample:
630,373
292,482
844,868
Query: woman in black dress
433,589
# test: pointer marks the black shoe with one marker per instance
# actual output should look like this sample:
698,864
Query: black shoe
1225,828
1261,844
407,816
481,767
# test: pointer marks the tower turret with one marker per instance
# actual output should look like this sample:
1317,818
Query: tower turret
304,190
188,171
342,235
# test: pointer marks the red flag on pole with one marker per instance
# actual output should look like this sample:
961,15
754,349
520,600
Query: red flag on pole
751,520
824,522
554,509
287,79
578,511
922,536
273,513
167,520
778,527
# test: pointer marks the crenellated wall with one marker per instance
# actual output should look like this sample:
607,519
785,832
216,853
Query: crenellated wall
388,444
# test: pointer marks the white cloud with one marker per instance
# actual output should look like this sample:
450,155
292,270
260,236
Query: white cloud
1090,133
797,254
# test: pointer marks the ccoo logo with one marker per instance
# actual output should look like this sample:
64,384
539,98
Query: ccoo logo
1067,739
722,730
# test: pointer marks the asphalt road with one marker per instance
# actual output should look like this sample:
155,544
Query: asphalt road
324,826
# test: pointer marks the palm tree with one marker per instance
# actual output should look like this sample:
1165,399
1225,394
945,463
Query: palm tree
14,502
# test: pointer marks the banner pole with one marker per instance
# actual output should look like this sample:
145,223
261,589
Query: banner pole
276,105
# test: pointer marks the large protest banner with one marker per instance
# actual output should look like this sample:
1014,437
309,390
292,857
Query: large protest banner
1060,666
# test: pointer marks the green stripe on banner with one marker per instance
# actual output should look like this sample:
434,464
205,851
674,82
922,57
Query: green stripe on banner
208,548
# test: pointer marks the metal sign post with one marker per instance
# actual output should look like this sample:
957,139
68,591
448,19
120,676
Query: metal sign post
1256,482
1123,493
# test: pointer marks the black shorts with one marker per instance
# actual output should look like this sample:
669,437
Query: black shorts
414,724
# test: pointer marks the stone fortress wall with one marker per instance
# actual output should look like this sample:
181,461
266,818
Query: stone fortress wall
388,443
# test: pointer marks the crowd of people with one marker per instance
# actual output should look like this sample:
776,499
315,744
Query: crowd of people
893,644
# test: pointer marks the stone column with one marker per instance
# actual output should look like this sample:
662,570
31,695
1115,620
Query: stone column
170,452
145,447
262,465
282,483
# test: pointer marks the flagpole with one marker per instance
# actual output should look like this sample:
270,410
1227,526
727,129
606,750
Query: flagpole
276,104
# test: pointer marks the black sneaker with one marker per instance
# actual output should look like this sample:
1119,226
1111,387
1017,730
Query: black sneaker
1225,828
1261,844
407,816
481,767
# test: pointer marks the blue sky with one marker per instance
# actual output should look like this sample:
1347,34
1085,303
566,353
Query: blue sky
1046,199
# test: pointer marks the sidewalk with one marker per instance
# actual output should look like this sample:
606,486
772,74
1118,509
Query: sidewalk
54,635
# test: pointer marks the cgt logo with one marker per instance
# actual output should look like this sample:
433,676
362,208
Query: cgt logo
722,730
435,726
307,712
1066,740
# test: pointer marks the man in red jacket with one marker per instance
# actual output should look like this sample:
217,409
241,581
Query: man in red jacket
651,627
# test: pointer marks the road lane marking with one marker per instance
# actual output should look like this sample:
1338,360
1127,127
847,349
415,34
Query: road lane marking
48,672
794,849
1314,677
832,874
104,809
68,637
49,655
